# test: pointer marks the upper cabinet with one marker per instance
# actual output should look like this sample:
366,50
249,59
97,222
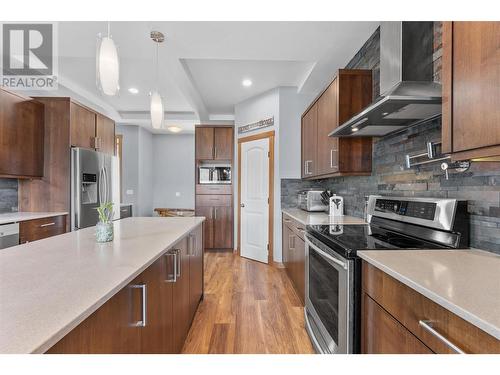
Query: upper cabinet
214,143
91,130
324,156
21,136
471,89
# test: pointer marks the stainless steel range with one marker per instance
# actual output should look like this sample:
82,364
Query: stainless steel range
333,270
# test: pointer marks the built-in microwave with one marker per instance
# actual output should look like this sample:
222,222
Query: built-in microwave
214,174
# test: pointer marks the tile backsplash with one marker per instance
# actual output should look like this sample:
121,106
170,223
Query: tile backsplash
8,195
480,185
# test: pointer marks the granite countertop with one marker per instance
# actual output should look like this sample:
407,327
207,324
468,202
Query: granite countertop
319,218
48,287
16,217
465,282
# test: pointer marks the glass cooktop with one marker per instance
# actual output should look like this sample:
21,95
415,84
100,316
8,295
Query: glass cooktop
347,239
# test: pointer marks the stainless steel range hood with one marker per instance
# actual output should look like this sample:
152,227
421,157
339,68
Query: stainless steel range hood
408,93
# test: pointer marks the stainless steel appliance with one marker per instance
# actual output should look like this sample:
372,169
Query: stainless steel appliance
9,235
409,94
333,270
95,179
311,200
214,174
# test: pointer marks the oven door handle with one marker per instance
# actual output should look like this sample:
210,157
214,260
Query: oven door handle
328,256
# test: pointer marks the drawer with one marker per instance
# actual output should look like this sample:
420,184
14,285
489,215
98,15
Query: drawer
38,229
125,211
409,308
214,189
214,200
298,228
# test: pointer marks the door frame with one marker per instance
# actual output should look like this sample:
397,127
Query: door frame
269,135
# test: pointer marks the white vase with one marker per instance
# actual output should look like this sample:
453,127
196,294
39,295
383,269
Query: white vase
104,232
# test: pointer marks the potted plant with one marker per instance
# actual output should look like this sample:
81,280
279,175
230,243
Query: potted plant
104,228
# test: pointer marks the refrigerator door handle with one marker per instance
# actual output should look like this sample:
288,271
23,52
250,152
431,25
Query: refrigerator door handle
106,192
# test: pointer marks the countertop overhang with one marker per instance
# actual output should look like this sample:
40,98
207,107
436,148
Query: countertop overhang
320,218
48,287
17,217
465,282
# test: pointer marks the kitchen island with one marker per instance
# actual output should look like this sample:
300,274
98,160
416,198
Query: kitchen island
58,285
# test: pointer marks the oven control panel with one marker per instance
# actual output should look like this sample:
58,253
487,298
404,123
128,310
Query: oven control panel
420,210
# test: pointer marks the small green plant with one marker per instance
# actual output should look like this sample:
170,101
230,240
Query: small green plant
105,211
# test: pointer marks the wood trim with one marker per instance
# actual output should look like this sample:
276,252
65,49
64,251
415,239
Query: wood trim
447,84
255,137
270,136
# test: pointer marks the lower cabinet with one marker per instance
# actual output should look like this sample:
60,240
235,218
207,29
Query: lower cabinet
398,319
218,210
294,257
152,314
38,229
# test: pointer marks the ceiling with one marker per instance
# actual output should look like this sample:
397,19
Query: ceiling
202,64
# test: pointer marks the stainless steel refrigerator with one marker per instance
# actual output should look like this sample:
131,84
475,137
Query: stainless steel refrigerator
95,179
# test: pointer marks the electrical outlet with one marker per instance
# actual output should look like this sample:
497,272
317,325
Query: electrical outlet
130,192
177,193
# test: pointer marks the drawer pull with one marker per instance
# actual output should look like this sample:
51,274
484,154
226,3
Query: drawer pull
47,225
287,220
142,322
427,325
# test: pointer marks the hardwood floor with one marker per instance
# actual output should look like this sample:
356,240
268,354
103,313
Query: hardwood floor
249,307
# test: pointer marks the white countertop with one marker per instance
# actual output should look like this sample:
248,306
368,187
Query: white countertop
48,287
466,282
319,218
16,217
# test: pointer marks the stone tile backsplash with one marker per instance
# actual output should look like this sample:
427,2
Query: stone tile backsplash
8,195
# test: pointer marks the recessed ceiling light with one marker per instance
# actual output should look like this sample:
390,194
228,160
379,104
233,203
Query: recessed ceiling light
174,129
247,82
133,90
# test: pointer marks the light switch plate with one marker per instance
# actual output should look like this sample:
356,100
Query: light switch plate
130,192
177,193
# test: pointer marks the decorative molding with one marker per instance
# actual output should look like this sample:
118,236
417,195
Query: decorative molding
256,125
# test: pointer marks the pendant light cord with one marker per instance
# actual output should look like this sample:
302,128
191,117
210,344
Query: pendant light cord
109,29
157,71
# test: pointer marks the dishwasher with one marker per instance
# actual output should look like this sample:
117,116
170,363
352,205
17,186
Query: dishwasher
9,235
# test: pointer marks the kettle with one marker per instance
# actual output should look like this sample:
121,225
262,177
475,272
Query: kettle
336,205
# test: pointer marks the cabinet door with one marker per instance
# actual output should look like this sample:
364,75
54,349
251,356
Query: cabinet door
157,334
475,85
105,132
286,245
309,142
83,126
328,147
109,330
21,136
195,269
223,227
204,143
181,305
382,334
208,226
223,143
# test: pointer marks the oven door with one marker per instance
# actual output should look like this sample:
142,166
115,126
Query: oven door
328,299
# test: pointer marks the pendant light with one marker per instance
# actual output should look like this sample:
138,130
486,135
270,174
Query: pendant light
107,65
157,111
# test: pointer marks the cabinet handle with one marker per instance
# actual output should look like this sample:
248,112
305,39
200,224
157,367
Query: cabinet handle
307,171
301,230
291,239
215,152
287,220
331,158
142,322
178,258
427,325
174,274
47,225
215,213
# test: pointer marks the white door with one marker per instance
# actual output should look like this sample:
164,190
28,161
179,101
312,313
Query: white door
254,226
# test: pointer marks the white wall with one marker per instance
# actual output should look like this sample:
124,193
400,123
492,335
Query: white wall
286,106
130,164
173,167
145,153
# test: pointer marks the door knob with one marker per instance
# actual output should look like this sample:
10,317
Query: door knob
242,205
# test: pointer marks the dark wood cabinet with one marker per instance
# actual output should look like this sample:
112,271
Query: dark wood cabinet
324,156
294,254
471,89
105,134
392,314
83,126
204,140
38,229
195,269
214,146
168,301
223,143
21,136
